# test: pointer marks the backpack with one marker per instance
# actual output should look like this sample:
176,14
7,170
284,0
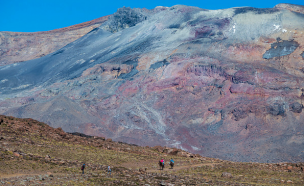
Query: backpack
82,167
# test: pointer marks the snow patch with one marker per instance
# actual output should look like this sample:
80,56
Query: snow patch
4,80
80,61
21,87
195,148
177,144
233,28
276,27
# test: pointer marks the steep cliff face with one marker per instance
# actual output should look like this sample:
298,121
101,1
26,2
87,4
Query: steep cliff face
19,46
222,83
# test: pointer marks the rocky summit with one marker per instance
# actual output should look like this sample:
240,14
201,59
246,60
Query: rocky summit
221,83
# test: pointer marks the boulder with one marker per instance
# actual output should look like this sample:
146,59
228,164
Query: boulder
289,181
101,138
175,151
159,148
226,175
168,150
16,154
296,107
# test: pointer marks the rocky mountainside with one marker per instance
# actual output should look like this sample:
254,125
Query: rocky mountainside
222,83
23,46
33,153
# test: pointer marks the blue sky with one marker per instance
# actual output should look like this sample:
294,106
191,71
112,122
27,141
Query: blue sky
43,15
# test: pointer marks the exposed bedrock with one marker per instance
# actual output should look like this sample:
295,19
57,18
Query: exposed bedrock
282,48
222,83
19,46
124,18
291,7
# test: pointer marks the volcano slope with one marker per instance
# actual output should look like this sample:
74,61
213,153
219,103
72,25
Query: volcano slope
21,46
222,83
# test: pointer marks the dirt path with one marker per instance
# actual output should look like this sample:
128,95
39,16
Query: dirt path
2,176
143,164
136,164
176,168
15,175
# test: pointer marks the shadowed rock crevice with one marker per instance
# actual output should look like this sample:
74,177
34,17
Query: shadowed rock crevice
159,64
244,10
296,107
239,113
133,72
281,48
276,109
174,26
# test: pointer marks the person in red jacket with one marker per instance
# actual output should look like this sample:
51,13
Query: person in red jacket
163,161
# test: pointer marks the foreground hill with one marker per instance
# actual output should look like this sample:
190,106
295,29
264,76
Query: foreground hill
222,83
32,153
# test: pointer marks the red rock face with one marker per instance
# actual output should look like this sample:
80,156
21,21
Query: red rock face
206,108
226,87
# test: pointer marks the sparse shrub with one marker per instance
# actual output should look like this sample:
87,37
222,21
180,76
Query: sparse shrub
41,124
9,152
161,178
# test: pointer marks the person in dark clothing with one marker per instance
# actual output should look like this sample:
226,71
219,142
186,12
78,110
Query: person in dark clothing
82,168
109,170
171,163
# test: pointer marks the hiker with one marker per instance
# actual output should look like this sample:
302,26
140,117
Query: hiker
161,164
82,168
171,163
109,170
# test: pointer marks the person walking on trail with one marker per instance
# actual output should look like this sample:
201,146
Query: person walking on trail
171,163
163,161
109,170
82,168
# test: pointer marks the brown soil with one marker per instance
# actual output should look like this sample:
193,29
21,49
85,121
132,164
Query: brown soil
32,153
176,168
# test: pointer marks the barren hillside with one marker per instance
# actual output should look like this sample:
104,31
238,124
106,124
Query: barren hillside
227,83
32,153
23,46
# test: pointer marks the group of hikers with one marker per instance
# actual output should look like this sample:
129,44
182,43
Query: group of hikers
109,169
161,164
